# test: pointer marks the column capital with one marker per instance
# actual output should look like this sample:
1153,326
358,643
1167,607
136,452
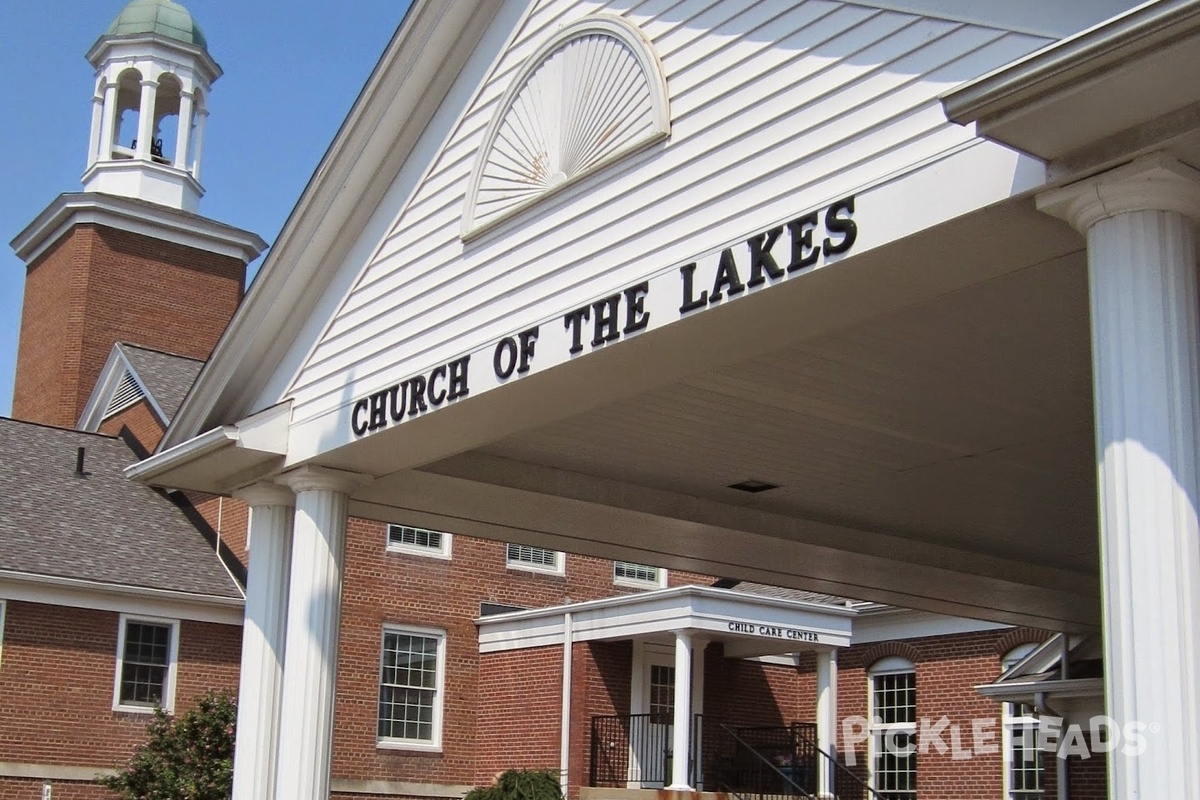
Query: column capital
1157,182
311,478
266,494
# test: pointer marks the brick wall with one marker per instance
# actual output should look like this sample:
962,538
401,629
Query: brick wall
31,789
382,587
56,683
519,701
140,421
99,285
947,670
229,519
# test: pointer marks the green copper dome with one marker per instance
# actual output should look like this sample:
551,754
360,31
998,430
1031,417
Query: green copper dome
162,17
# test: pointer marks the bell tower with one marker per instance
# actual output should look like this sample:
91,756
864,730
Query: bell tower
128,259
153,76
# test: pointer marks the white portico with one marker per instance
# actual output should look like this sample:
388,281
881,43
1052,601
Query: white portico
814,334
679,623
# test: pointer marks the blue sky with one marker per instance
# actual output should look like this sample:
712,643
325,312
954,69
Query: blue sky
292,71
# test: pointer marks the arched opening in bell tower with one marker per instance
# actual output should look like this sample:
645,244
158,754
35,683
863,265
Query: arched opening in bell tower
166,119
127,118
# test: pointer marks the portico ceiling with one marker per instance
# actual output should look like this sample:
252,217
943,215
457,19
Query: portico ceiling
925,411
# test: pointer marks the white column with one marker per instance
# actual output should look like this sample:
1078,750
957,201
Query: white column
94,135
697,749
827,719
263,640
564,744
683,713
109,122
145,135
201,115
313,616
1139,221
184,134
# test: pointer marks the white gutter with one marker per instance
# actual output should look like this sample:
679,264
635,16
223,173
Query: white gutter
1143,29
1024,691
125,589
202,445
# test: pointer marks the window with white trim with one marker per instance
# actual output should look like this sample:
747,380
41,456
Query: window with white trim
419,541
537,559
1022,757
626,573
147,652
893,715
411,678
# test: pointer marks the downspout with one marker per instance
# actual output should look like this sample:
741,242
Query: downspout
564,747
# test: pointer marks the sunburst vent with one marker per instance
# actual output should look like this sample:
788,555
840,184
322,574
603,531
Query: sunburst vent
593,93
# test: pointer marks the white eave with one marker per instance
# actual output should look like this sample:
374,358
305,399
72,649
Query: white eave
222,459
135,216
77,592
404,91
1129,70
753,624
1028,692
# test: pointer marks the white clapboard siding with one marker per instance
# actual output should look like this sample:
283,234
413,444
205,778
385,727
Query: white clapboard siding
776,108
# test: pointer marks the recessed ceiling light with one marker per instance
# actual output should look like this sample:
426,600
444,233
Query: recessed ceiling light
753,486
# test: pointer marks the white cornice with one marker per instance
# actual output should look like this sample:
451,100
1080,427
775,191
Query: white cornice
77,593
149,43
146,219
420,65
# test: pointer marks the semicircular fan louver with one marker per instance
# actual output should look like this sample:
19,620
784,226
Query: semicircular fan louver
591,95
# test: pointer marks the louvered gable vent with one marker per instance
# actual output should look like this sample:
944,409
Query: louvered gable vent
128,392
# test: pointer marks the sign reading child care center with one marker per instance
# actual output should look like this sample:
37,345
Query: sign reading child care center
759,262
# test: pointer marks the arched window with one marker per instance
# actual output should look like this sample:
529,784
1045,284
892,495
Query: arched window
1022,758
893,713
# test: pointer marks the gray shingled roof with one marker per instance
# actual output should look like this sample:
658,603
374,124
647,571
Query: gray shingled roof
168,377
800,595
99,527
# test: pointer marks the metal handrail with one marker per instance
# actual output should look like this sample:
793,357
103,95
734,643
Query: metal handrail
841,769
800,790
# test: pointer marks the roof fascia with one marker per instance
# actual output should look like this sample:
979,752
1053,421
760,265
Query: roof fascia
642,598
148,470
355,172
76,592
1089,53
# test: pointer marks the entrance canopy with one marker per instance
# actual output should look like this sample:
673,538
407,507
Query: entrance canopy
749,625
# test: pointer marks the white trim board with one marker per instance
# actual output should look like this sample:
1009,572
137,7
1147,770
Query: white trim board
139,601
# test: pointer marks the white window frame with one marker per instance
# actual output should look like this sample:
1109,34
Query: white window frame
660,577
434,745
1010,721
892,665
168,703
442,552
558,568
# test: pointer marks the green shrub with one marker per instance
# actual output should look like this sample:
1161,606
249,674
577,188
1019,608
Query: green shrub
520,784
188,757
